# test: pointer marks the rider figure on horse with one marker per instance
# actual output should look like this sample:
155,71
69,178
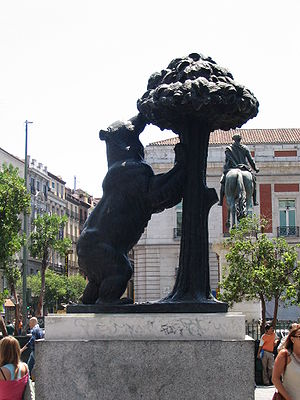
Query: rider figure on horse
238,156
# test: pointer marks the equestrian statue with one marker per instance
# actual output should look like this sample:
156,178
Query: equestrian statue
238,182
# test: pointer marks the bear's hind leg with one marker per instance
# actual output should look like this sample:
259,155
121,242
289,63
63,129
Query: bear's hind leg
111,289
90,294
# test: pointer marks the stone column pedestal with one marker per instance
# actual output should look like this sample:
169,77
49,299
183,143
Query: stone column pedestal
145,356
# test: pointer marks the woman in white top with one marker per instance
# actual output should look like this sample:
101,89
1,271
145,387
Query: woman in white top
286,372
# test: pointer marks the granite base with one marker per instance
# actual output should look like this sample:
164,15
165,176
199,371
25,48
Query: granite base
149,369
189,326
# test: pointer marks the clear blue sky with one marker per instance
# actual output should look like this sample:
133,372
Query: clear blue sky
73,67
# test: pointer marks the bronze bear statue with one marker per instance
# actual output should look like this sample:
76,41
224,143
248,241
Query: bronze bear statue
131,194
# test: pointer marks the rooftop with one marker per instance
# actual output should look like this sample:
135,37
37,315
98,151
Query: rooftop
17,158
249,136
57,178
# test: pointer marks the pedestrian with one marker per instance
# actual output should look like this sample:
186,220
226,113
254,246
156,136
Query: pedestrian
286,374
13,372
20,325
266,344
10,328
36,333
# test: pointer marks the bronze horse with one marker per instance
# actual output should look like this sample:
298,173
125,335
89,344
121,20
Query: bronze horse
238,193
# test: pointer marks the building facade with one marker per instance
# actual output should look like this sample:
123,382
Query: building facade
49,194
38,182
79,203
276,153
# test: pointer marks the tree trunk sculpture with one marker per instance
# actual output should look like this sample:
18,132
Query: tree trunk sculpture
193,97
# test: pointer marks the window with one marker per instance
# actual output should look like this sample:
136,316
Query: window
32,185
45,190
178,229
53,185
287,218
38,186
62,191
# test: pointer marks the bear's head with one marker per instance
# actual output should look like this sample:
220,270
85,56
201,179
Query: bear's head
122,140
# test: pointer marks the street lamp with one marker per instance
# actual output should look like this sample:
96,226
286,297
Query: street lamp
25,248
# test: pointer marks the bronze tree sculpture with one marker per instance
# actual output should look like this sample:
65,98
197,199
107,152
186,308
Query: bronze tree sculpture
194,96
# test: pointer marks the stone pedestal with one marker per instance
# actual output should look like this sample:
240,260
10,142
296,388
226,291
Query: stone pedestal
149,357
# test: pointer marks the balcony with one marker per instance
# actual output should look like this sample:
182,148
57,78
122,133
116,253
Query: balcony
72,265
288,231
58,268
177,233
73,215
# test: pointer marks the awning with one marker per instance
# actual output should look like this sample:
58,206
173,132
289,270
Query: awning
8,303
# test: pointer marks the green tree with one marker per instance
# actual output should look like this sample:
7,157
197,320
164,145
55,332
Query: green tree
46,238
75,287
13,274
58,288
260,267
55,288
14,200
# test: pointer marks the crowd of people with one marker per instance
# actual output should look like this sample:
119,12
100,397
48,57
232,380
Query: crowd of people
284,373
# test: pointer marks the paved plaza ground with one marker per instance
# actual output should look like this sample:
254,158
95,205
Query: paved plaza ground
264,392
